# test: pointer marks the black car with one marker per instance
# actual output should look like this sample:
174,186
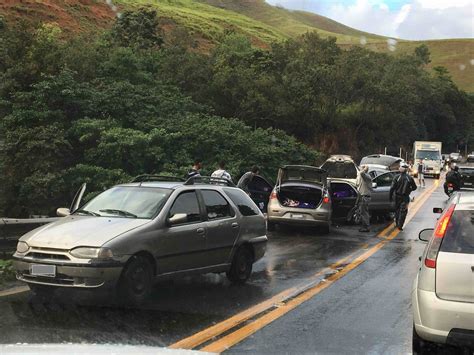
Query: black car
467,175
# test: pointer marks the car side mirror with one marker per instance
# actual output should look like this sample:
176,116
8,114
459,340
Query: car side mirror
425,234
374,185
437,210
63,212
177,219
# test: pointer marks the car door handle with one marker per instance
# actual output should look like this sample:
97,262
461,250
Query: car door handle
201,231
235,225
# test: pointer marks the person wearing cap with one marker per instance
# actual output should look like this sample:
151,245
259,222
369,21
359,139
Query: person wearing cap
402,187
365,192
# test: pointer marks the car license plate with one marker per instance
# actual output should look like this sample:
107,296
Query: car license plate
297,216
43,270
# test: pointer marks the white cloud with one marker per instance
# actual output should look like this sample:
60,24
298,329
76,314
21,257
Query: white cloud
417,19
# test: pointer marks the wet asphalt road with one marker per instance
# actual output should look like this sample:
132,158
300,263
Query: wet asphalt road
367,311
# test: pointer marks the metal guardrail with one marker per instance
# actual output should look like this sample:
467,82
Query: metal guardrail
11,229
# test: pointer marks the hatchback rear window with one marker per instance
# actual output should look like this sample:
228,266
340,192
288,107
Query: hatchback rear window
459,236
466,171
341,170
243,202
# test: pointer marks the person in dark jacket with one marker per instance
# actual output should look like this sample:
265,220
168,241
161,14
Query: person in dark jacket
245,180
195,170
453,177
402,186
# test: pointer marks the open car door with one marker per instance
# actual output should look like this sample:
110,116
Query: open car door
344,197
260,190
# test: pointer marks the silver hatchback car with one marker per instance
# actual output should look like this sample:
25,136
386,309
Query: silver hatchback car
443,291
300,197
136,233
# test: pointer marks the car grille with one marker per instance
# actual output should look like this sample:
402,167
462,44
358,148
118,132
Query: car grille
45,256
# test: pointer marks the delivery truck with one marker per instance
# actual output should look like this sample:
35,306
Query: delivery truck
430,153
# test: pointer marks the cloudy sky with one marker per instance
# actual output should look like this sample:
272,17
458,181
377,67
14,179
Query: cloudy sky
407,19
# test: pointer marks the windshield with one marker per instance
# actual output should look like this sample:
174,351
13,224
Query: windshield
345,170
127,202
427,154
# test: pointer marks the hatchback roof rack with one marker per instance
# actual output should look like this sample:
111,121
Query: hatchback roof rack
208,180
151,177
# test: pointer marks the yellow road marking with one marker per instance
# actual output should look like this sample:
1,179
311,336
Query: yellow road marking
240,334
207,334
14,290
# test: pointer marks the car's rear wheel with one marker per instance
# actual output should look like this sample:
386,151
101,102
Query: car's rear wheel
326,229
241,267
271,226
421,346
135,283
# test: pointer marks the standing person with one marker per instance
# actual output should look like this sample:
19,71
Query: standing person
421,172
221,173
245,180
195,170
365,192
402,186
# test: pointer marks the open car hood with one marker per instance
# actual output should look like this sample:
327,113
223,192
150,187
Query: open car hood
302,173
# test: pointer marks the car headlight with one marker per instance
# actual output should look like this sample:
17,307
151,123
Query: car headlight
92,253
22,247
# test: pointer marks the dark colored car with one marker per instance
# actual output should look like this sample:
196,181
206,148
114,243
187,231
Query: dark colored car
467,176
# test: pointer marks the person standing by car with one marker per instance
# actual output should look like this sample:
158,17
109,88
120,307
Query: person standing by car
421,171
402,186
221,173
195,170
245,180
365,192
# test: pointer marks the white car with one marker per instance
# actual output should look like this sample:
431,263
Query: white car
443,291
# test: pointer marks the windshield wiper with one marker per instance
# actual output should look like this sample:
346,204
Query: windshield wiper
89,213
119,212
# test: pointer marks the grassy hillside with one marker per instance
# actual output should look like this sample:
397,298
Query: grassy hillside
206,20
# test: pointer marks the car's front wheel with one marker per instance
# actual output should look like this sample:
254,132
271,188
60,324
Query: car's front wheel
241,267
42,291
135,283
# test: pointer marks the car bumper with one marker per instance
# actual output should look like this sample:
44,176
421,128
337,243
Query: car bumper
299,216
75,276
442,321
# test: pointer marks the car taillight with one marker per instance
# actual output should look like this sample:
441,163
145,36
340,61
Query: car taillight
273,195
326,199
435,242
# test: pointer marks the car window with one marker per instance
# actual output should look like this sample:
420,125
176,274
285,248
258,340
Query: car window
342,190
216,205
243,202
259,184
384,179
466,171
459,236
340,170
187,203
